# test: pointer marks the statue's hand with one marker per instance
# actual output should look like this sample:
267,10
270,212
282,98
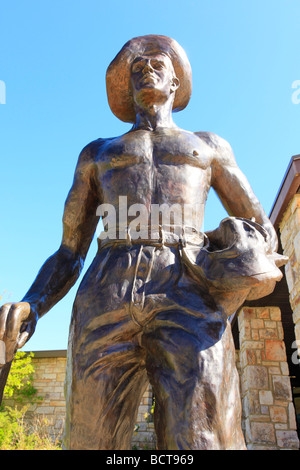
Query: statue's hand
17,325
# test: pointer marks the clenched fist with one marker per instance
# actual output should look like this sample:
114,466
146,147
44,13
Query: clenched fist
17,325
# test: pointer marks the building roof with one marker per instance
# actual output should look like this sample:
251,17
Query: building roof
289,187
49,353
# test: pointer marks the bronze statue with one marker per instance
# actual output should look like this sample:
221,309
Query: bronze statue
155,302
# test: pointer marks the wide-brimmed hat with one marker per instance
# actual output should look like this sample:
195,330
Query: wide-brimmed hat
118,82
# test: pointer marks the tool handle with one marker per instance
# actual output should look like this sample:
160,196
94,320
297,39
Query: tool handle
2,353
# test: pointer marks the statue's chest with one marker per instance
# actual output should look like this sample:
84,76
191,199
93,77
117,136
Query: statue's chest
146,151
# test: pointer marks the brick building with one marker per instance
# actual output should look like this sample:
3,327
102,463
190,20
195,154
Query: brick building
267,339
267,336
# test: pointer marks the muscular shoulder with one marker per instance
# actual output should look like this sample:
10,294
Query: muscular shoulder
88,157
222,151
90,152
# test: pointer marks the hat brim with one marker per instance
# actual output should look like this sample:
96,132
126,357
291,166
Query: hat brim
118,83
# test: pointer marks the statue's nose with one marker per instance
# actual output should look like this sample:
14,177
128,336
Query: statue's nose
147,67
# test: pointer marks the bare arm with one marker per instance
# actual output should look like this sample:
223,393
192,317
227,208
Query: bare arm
233,188
60,272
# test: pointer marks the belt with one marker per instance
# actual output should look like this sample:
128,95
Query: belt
171,235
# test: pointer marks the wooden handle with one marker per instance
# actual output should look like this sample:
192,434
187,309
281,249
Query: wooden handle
4,372
2,353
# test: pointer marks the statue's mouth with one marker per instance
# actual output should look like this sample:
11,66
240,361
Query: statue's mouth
148,78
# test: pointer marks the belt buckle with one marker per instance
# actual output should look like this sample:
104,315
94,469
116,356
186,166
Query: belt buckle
175,237
161,234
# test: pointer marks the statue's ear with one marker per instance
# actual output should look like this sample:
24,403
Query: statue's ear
175,83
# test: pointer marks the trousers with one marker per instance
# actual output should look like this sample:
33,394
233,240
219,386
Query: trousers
140,317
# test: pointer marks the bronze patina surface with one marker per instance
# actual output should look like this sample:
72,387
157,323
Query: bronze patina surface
153,307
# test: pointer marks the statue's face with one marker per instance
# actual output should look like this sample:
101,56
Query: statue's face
153,73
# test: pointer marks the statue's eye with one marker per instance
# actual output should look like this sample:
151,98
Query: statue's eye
137,67
157,65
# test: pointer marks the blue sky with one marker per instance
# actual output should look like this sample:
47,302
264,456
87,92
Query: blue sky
53,59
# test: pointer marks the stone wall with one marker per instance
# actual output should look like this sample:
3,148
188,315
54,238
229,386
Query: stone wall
49,377
268,411
144,434
290,239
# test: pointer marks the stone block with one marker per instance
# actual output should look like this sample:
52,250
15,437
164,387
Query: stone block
258,356
292,416
247,430
264,409
252,345
284,368
250,356
275,350
284,235
278,414
60,410
296,300
282,388
297,218
295,203
60,377
261,447
255,334
257,323
280,332
263,313
274,370
289,277
257,377
268,333
251,403
56,403
247,313
245,332
280,426
262,433
297,333
287,439
45,410
270,324
265,397
296,312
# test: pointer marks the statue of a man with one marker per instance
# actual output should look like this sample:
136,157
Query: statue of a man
154,306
